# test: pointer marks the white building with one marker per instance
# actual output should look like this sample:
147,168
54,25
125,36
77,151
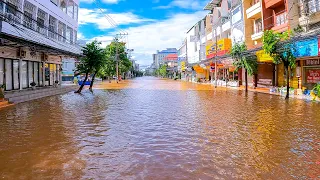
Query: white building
196,43
35,36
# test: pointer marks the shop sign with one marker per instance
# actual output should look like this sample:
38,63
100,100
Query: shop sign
183,65
306,48
263,57
223,46
313,76
312,62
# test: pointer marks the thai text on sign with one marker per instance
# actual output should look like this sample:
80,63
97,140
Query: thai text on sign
313,76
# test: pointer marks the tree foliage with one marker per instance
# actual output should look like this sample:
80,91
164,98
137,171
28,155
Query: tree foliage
241,60
245,61
163,70
93,58
281,49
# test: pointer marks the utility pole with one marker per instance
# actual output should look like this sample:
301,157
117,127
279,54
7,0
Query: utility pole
117,54
215,59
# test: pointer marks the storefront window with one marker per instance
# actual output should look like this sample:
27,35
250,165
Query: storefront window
16,74
1,71
40,74
8,66
24,74
36,73
30,72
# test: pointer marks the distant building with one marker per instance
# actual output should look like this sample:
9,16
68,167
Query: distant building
160,57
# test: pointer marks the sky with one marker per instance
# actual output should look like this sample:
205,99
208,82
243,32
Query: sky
151,24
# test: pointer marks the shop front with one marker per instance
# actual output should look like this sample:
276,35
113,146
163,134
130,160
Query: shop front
18,74
266,70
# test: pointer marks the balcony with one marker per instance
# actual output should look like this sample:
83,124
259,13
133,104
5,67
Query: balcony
24,26
226,26
273,3
254,11
281,22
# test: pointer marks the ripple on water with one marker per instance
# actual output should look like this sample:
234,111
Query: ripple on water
151,129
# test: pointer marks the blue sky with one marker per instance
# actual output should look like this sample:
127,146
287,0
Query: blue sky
151,24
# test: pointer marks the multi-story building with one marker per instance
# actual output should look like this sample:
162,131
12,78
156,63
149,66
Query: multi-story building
35,37
159,58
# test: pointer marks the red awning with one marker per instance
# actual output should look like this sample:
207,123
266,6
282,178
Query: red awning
171,57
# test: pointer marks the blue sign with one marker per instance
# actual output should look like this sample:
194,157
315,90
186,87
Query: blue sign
307,47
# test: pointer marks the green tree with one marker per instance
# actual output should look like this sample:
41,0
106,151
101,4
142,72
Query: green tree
163,70
117,50
278,46
92,53
242,60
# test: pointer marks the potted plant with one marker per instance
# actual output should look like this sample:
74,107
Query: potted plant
33,85
2,87
56,83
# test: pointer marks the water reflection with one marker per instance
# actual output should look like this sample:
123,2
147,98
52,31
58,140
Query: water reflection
159,129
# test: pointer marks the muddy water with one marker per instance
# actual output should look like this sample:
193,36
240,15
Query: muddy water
159,129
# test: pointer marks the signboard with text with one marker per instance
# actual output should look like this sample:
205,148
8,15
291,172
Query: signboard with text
313,76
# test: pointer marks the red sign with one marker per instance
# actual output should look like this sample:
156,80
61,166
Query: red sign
313,76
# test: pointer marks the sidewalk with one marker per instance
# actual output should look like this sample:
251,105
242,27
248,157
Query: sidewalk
264,91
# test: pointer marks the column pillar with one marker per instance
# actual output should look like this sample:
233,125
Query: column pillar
20,73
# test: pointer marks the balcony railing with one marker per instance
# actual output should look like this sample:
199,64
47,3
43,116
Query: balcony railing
281,18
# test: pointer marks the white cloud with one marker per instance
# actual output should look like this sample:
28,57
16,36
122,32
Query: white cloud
169,33
184,4
100,18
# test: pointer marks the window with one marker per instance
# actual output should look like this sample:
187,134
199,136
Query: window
76,12
257,25
63,6
70,9
69,35
52,27
29,10
54,2
61,31
41,21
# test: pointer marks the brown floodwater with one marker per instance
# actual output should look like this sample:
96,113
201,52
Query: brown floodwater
150,128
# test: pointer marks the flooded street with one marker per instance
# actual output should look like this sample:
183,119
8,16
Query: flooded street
150,128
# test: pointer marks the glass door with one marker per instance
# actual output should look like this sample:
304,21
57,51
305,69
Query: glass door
24,74
8,74
40,74
47,74
1,71
16,82
36,73
30,73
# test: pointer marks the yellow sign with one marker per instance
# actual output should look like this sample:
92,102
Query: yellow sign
183,65
223,45
263,57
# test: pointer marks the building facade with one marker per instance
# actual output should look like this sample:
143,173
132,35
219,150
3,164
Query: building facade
35,37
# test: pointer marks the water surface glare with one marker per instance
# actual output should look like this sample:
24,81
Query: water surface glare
150,128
